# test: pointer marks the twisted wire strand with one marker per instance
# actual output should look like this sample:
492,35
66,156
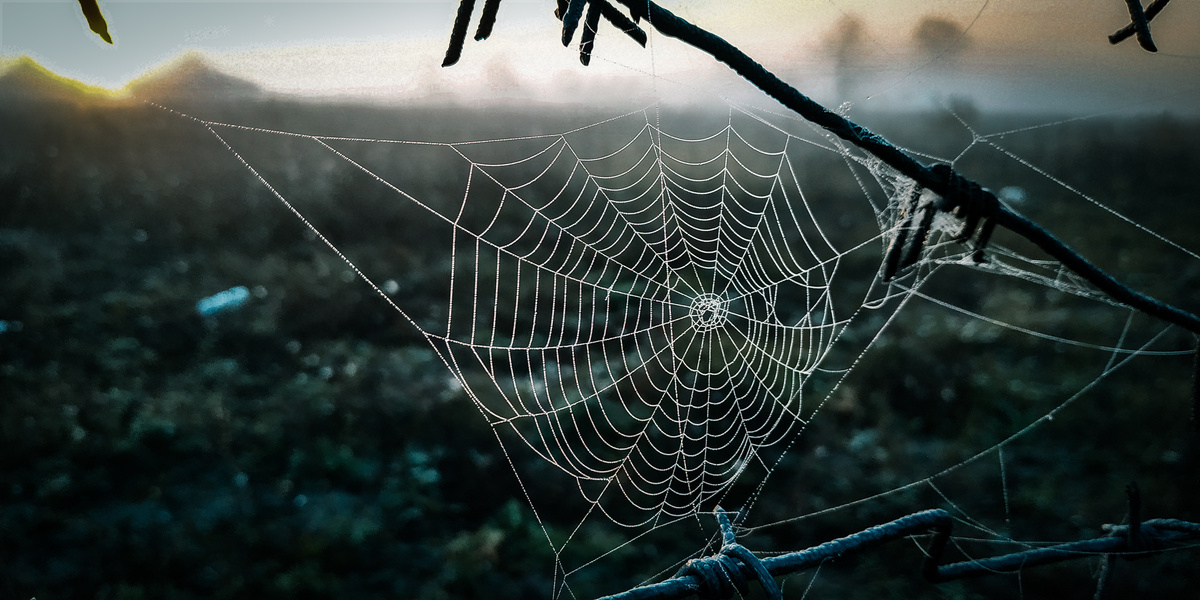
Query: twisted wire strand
719,576
896,249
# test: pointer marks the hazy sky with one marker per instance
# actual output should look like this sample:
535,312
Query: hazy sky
872,52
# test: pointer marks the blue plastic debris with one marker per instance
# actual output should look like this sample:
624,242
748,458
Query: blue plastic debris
1013,195
228,300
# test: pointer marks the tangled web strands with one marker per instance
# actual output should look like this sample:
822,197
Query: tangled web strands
642,307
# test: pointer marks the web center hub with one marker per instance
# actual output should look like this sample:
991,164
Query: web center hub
709,311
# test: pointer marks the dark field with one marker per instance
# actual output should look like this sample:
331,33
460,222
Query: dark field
312,444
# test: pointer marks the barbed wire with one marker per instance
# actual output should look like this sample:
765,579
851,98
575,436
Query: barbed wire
1139,24
733,567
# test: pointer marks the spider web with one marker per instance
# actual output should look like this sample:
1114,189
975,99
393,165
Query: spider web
642,311
655,306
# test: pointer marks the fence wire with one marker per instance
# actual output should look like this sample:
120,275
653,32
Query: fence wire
731,570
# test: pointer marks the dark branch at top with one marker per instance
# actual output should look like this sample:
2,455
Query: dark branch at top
95,19
1139,23
568,11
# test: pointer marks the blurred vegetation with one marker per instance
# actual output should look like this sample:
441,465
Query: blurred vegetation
313,444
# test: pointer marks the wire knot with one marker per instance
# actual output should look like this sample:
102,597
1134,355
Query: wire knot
1141,539
963,198
721,575
970,202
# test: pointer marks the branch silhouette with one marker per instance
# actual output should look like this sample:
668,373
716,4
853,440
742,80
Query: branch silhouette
95,19
1139,24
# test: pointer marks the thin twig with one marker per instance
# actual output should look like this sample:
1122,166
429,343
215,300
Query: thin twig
570,20
620,21
95,19
487,20
1139,23
587,39
458,35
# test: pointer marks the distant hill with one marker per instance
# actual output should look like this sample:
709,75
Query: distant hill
188,79
25,79
191,79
